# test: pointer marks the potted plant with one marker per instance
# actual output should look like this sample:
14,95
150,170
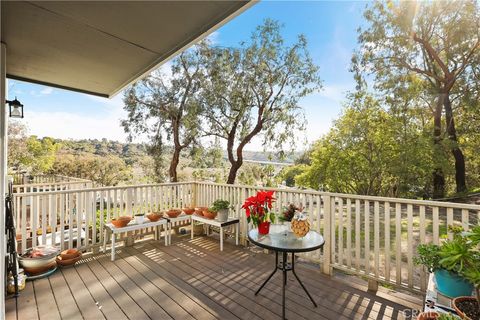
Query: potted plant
455,264
258,210
221,207
443,260
468,307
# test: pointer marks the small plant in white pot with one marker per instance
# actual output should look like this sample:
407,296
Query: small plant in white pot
221,207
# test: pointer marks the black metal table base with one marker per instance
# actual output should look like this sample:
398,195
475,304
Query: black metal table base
285,266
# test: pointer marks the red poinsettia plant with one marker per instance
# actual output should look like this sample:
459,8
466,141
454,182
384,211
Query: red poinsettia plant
258,208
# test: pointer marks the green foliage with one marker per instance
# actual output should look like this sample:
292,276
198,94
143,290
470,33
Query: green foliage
423,56
254,90
366,153
428,256
105,171
29,153
219,205
447,316
165,106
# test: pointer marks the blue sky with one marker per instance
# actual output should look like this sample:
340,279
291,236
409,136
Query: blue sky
329,26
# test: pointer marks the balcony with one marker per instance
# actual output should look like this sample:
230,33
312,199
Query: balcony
191,279
373,238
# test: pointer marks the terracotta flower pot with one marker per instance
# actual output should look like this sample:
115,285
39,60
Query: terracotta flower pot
67,262
428,316
70,254
173,213
154,216
264,227
199,210
121,222
209,214
457,301
188,211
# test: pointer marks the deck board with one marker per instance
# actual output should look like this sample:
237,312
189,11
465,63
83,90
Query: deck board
192,279
46,304
66,303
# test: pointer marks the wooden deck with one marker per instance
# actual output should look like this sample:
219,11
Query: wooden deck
191,279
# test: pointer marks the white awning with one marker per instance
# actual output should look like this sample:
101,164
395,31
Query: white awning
99,47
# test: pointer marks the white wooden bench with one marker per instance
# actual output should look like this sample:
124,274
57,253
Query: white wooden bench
132,226
218,224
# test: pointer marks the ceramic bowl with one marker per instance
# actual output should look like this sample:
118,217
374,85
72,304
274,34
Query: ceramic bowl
67,262
120,222
173,213
199,210
209,214
188,211
154,216
70,254
48,256
33,271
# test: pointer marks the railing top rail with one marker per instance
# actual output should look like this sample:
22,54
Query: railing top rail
51,176
430,203
40,184
24,194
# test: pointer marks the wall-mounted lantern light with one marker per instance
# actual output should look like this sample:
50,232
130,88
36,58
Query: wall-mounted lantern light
16,108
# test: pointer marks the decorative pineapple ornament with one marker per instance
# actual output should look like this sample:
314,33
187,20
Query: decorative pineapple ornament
300,224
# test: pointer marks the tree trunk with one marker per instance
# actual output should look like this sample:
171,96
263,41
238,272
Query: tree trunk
232,174
438,176
172,171
456,151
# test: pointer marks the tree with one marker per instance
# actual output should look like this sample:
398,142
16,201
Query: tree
254,90
435,42
366,152
18,153
103,170
163,104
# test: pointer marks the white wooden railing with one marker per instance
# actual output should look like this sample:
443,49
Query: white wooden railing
374,237
47,182
74,218
22,178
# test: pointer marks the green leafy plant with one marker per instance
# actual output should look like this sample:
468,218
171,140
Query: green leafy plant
447,316
460,255
471,270
219,205
428,256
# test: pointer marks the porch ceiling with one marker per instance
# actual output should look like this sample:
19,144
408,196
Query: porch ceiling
100,47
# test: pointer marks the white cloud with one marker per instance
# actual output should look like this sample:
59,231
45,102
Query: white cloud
46,91
214,37
66,125
335,92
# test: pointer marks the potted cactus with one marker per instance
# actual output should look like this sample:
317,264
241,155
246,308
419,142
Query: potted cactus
221,207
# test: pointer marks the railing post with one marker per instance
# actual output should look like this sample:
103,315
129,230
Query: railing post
194,194
327,234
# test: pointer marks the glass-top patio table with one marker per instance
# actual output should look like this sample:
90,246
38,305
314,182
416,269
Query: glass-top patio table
281,240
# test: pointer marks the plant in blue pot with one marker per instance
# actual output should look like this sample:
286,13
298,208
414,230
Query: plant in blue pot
446,261
468,307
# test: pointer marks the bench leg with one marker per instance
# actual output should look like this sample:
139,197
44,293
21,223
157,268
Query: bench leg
191,231
237,231
105,236
113,246
165,234
221,239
